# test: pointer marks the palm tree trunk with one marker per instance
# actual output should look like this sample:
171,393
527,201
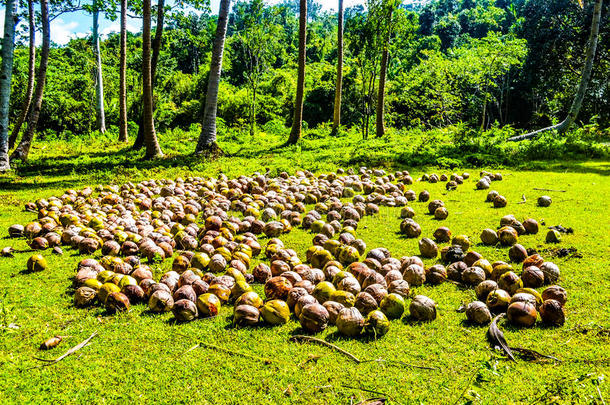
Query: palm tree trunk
99,88
6,73
383,71
123,75
150,137
297,121
22,151
31,74
207,139
156,48
339,84
582,86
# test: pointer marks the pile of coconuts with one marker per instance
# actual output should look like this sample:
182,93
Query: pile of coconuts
209,229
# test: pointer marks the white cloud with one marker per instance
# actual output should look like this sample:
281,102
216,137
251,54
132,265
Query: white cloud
62,32
115,26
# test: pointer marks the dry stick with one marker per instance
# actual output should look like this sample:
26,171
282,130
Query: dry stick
66,354
222,349
549,189
325,343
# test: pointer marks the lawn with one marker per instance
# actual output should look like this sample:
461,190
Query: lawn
141,357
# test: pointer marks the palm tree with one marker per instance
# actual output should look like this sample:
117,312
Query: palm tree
156,48
584,80
123,75
297,121
23,149
31,75
207,139
99,80
6,72
337,107
150,137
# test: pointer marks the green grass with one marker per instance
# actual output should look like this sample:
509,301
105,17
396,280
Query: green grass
142,358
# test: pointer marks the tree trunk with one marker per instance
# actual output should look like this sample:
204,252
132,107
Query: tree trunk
207,138
339,84
123,75
150,137
156,48
22,151
31,74
582,86
99,79
383,71
295,132
6,73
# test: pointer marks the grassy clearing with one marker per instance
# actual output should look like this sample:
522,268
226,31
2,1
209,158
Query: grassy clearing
139,357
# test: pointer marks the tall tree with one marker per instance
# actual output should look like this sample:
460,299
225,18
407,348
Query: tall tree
388,9
297,121
153,149
207,138
6,74
99,78
156,48
31,75
123,75
337,107
584,80
23,149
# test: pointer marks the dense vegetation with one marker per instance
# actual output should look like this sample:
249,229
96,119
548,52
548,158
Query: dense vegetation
477,63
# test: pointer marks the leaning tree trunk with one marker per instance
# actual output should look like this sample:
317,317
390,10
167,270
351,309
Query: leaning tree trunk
31,74
22,151
156,48
6,73
297,121
383,72
339,84
99,88
123,75
150,137
207,139
584,81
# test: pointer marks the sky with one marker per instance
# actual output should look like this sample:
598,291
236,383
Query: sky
78,24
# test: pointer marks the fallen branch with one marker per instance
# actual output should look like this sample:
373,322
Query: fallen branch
496,337
549,189
533,355
325,343
73,350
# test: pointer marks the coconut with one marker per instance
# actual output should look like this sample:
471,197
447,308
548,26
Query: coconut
249,298
433,205
532,277
407,212
556,293
483,289
414,274
522,314
544,201
478,313
473,276
323,291
345,298
84,297
392,305
301,302
410,228
117,302
333,309
365,303
314,318
160,301
510,282
553,236
184,310
376,324
531,226
455,270
498,300
462,241
517,253
134,293
551,313
37,262
499,201
275,312
350,322
436,274
277,288
551,272
422,308
428,248
423,196
508,236
442,234
208,305
246,315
